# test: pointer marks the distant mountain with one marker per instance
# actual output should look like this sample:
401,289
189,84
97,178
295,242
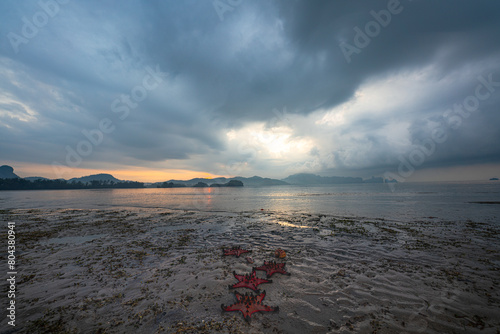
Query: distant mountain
304,178
95,177
99,181
254,181
7,172
35,178
374,180
183,184
231,183
171,185
257,181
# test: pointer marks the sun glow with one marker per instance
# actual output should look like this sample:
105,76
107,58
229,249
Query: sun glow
275,142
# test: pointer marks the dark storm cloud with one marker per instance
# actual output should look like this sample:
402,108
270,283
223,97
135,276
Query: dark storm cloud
225,74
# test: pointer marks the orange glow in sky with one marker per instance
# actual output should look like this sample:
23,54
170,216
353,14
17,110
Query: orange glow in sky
157,175
140,174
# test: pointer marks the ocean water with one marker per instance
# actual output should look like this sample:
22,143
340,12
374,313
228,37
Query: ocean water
408,201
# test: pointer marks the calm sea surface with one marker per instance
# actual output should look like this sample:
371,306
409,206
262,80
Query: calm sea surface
409,201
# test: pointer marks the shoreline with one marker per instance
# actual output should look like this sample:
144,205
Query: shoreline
124,270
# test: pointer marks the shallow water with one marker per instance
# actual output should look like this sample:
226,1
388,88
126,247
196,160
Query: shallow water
408,201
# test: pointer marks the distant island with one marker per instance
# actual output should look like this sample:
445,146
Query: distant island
231,183
257,181
10,181
254,181
494,179
7,172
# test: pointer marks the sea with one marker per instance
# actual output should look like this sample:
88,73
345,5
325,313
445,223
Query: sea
402,202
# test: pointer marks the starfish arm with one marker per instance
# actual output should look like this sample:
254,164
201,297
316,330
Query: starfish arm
238,277
234,251
262,268
234,307
249,285
238,307
272,267
241,251
281,271
260,297
259,281
261,308
244,309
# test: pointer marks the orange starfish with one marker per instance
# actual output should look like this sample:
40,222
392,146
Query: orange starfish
271,267
235,251
250,281
249,304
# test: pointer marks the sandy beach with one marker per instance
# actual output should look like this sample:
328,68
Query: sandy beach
130,270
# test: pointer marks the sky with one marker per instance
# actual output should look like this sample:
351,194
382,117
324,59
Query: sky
159,90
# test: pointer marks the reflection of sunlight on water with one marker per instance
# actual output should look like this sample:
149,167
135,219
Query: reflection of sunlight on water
203,199
282,223
209,196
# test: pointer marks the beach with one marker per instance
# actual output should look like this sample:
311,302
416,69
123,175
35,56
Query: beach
153,270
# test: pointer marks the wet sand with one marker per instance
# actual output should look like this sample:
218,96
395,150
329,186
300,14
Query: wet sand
132,270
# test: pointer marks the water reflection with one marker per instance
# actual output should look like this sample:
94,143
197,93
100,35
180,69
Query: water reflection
288,224
202,200
411,201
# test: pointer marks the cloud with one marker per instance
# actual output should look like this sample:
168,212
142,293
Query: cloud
227,77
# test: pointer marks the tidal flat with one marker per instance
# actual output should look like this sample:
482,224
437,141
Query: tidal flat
136,270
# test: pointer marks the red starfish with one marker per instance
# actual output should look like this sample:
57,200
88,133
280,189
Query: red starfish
272,267
250,281
248,304
235,251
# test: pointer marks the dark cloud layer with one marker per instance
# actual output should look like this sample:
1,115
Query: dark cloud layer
225,77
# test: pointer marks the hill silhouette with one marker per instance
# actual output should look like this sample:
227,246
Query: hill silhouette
7,172
95,177
10,181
